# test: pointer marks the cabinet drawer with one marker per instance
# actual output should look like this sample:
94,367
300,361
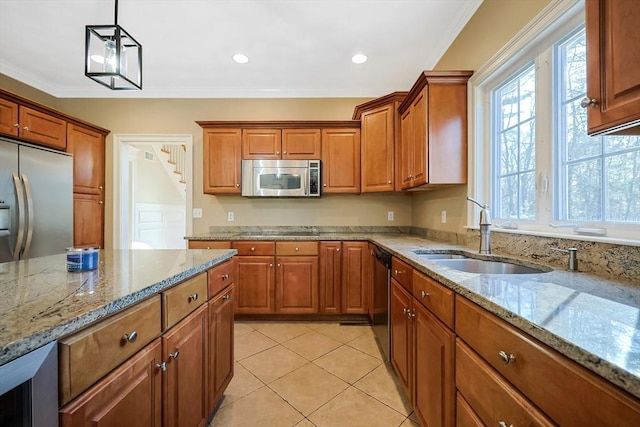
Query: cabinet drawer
492,398
297,248
221,276
402,272
88,355
254,248
434,296
182,299
574,396
465,416
209,244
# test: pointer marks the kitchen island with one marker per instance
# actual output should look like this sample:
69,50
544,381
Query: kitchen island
40,301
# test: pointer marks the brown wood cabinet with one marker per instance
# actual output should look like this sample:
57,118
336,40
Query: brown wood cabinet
265,144
340,161
132,392
575,397
9,118
184,349
401,334
220,370
18,119
222,153
433,141
87,146
209,244
296,284
301,144
380,133
613,66
330,277
355,277
255,286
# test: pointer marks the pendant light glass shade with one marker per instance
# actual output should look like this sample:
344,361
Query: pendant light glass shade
112,57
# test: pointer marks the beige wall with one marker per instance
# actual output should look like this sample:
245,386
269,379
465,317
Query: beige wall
489,29
492,26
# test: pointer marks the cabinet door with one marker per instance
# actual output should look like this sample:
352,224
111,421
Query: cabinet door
43,128
9,118
87,147
301,144
296,284
330,277
377,149
88,220
406,149
222,155
434,370
355,272
132,392
255,285
401,336
340,161
420,144
261,144
185,347
220,346
613,64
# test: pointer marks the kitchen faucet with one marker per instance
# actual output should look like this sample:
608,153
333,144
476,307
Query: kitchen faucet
485,222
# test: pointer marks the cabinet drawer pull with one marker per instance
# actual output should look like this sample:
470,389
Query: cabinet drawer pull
174,355
16,125
162,366
506,358
130,337
225,276
404,310
252,249
226,297
588,102
424,294
297,249
193,297
503,424
398,272
26,128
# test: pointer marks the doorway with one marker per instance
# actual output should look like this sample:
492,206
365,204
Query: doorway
152,191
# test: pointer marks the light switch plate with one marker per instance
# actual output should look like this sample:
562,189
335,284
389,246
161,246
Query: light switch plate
197,212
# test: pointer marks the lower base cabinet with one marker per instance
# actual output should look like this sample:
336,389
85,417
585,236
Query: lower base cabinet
220,345
130,395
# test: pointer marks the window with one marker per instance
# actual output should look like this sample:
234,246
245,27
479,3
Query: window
548,176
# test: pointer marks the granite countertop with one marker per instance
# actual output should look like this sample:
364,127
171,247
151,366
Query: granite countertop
41,302
590,319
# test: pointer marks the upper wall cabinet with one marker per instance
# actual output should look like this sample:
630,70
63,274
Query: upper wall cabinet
275,144
221,154
433,141
31,122
380,132
340,161
613,66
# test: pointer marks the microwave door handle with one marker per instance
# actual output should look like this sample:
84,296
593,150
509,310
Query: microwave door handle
27,189
20,196
305,177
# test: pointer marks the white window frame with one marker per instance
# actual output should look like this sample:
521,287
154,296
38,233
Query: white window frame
534,42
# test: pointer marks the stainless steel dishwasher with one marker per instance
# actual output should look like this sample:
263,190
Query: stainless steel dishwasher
381,289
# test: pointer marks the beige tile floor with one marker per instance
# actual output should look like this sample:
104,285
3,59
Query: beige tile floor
308,374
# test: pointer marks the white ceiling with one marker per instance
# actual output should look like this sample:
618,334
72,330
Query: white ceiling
297,48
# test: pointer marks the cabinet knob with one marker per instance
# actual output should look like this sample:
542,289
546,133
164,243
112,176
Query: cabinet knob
270,265
131,337
252,249
174,355
26,128
162,366
297,249
284,152
193,297
100,202
389,182
100,187
16,125
277,152
588,102
503,424
225,276
208,247
338,250
424,294
506,358
237,185
324,185
226,297
279,265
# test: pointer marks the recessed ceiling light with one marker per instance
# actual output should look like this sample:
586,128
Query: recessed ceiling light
240,58
359,58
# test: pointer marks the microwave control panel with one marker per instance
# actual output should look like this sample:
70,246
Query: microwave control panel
314,178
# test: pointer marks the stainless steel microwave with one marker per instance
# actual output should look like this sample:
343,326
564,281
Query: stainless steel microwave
281,178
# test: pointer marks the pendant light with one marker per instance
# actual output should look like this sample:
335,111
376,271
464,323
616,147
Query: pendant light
112,57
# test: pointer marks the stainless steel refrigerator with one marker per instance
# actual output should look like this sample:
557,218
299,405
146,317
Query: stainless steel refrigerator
36,201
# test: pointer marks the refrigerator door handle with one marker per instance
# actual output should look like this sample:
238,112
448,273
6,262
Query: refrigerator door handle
20,237
27,189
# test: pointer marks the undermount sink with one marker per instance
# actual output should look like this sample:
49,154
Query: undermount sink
470,265
278,233
438,255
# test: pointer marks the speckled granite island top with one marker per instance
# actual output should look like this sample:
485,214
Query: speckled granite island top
591,320
40,301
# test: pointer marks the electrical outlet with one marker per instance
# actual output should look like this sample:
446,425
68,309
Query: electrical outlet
230,216
197,213
390,216
443,217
